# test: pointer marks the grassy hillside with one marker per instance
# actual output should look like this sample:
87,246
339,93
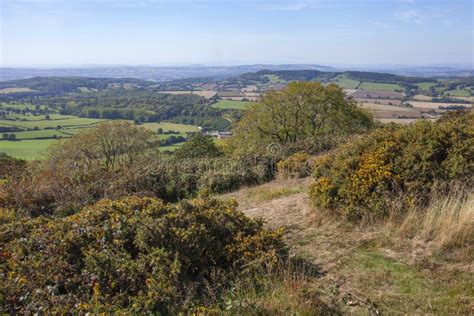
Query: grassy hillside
345,82
310,208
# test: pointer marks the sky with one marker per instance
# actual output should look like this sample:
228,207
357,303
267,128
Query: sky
225,32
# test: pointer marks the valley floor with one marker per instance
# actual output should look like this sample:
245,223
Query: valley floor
364,269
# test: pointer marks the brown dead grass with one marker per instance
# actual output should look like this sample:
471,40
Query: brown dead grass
448,222
385,107
399,120
432,105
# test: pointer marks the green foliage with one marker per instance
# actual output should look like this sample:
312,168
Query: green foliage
63,85
199,146
133,255
297,118
118,159
174,179
112,101
97,163
396,167
296,166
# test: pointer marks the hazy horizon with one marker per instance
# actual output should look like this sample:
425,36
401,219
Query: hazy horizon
77,33
233,64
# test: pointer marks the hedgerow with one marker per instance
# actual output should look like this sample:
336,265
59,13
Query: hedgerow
132,255
396,167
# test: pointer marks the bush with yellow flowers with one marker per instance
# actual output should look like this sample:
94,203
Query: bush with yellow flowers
396,167
131,255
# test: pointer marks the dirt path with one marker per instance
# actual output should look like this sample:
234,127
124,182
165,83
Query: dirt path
308,234
364,269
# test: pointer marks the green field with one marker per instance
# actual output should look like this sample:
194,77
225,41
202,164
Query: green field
458,93
28,146
31,117
346,83
40,133
274,79
228,104
425,85
379,86
22,106
65,122
166,126
25,149
169,148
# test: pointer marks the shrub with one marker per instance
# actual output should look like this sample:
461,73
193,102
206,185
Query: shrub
60,190
199,146
295,166
174,179
133,255
10,167
396,166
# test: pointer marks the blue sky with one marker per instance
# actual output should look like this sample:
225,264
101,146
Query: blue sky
335,32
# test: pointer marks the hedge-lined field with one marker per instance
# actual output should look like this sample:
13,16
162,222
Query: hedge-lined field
380,86
228,104
26,149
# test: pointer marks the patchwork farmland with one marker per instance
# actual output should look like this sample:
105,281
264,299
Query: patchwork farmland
28,135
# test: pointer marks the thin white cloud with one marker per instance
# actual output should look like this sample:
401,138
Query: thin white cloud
410,15
287,5
379,24
298,6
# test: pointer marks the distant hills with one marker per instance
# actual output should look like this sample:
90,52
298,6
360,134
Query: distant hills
161,74
150,72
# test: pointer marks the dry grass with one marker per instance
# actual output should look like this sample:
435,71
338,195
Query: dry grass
290,288
14,90
469,99
448,221
432,105
273,193
399,120
421,97
385,107
270,191
391,102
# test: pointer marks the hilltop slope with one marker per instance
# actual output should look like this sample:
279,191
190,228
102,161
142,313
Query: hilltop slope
364,268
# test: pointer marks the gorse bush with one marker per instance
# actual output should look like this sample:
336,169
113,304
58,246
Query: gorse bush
396,165
131,255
